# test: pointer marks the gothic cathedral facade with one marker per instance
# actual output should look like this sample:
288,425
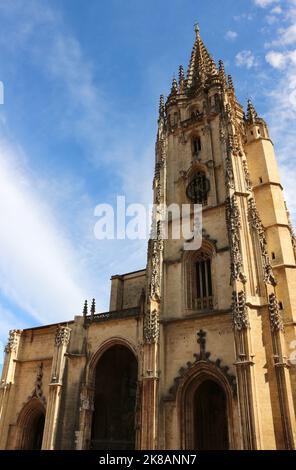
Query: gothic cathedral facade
195,351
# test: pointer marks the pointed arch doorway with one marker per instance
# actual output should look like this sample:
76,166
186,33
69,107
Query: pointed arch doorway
31,426
114,418
210,417
206,400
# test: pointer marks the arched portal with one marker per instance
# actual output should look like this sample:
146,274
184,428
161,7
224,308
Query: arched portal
210,417
113,424
31,426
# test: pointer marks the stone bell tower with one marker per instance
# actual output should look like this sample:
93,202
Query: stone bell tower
238,290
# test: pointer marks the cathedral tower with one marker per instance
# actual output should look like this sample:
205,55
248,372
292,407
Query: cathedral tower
237,292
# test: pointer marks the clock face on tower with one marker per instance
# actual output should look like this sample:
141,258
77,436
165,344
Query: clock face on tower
198,189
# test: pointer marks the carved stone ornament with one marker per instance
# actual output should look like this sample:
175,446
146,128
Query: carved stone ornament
86,403
276,321
233,225
62,337
155,250
248,181
13,339
293,236
202,356
229,175
240,316
38,390
151,327
222,133
256,225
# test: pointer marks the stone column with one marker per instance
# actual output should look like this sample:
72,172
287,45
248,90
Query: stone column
55,387
8,373
83,436
281,372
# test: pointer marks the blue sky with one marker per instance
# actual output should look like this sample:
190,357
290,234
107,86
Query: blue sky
82,82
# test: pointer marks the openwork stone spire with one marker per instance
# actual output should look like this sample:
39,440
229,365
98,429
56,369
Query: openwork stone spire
222,74
251,112
181,78
85,308
201,66
161,107
174,89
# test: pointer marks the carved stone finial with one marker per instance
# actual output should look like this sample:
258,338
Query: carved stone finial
13,338
251,112
276,321
230,82
93,308
62,336
174,89
85,309
222,74
181,78
161,107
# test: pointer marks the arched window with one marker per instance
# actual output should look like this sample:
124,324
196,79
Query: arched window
199,281
203,281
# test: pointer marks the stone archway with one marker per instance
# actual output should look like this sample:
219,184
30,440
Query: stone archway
30,426
205,409
115,393
210,423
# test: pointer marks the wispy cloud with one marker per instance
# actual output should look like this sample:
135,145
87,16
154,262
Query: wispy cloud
245,59
280,60
265,3
281,115
243,16
49,260
37,262
231,35
277,10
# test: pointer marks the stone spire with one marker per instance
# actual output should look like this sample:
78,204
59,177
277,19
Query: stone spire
251,112
222,74
85,309
161,107
174,89
201,66
230,83
93,308
181,78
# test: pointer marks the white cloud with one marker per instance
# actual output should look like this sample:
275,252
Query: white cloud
277,60
280,60
265,3
271,19
245,59
243,16
277,10
39,270
231,35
